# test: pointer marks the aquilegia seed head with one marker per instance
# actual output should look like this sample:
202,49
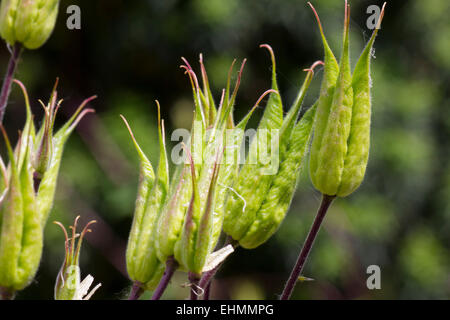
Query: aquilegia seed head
27,195
142,263
191,220
68,284
29,22
263,190
340,147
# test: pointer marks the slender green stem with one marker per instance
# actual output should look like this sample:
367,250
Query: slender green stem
171,267
136,291
303,256
6,87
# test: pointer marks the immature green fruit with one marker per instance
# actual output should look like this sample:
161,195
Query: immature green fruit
242,204
142,263
24,210
29,22
171,219
340,147
280,194
260,199
191,219
194,245
202,223
193,185
68,284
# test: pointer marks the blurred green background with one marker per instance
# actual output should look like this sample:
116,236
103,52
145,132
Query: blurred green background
128,52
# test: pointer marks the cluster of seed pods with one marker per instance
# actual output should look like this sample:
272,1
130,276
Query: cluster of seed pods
27,189
211,191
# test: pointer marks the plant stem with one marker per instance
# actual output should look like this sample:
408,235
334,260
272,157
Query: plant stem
194,279
171,266
290,284
207,293
206,278
6,87
6,294
136,291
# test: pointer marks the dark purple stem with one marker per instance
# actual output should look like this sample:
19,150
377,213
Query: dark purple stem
207,277
171,267
290,284
6,87
136,291
207,293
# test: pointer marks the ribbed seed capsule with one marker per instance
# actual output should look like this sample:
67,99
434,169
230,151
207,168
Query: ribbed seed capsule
170,222
243,202
184,214
359,138
281,192
231,140
171,219
146,182
142,262
228,172
340,145
24,210
247,219
28,22
68,282
198,233
194,245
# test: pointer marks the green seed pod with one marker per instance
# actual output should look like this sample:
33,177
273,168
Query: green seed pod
203,221
194,245
242,204
281,192
247,219
68,284
195,241
171,218
29,22
359,138
32,234
231,138
47,186
229,171
340,145
11,228
24,210
146,182
142,263
191,220
171,221
44,139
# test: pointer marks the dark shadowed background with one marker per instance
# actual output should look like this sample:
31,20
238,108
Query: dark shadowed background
128,53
